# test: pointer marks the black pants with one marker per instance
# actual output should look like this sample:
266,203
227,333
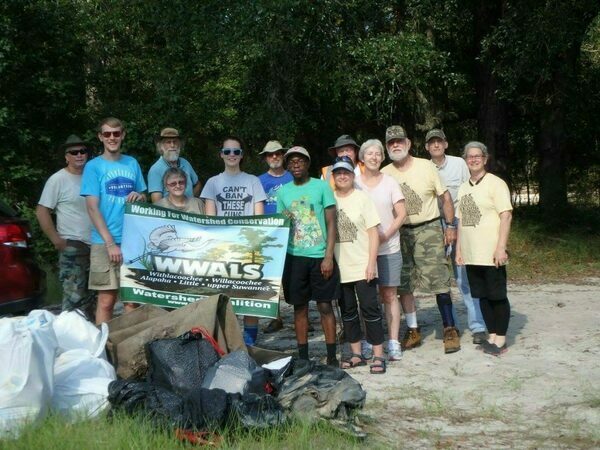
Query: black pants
369,308
496,314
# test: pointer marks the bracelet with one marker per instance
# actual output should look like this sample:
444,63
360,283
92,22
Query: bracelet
451,227
112,244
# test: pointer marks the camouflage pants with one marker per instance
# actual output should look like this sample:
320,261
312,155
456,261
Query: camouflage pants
73,270
424,262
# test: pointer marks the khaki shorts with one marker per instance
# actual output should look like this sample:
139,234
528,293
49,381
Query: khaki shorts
424,262
104,275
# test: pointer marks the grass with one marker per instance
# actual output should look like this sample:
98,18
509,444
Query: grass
564,248
126,432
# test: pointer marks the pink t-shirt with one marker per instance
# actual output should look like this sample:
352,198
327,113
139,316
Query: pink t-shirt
385,195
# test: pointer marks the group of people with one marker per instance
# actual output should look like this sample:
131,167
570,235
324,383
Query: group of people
361,235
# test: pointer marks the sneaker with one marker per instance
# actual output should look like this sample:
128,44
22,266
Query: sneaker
366,349
494,350
411,339
451,340
394,351
479,337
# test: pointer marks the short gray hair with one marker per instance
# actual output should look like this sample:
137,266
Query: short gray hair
370,143
475,144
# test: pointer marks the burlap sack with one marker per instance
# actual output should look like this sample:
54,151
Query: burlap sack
129,333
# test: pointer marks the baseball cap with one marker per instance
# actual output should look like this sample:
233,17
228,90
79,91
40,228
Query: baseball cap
435,133
343,163
296,150
394,132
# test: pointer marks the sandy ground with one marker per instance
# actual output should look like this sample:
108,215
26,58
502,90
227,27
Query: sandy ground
543,393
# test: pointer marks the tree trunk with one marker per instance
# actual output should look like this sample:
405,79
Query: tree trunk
553,181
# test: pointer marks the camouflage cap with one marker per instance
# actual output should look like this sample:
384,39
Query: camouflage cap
394,132
435,133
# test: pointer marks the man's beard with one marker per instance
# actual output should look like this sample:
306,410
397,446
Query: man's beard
171,156
398,156
275,165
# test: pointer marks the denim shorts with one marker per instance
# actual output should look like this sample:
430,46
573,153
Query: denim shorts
388,269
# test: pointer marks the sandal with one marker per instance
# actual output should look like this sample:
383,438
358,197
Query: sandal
378,369
348,363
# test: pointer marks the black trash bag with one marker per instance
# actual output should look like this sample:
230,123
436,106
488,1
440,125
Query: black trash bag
236,373
180,364
257,411
207,408
164,407
277,377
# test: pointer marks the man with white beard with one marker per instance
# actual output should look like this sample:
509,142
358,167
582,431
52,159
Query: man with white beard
424,262
168,145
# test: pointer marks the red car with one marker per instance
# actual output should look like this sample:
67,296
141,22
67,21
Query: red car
22,282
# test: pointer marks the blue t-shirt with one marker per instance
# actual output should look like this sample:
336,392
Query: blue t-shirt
111,182
271,185
157,171
305,206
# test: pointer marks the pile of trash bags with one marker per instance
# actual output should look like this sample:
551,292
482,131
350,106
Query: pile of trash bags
188,370
51,362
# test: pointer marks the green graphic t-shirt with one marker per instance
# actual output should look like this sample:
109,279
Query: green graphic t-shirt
305,206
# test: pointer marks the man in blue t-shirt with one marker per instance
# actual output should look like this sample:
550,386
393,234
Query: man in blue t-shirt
169,144
108,182
271,181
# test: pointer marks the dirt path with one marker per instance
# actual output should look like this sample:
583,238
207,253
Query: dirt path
543,393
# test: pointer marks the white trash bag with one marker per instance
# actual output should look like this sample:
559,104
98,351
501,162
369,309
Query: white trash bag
81,384
27,352
73,331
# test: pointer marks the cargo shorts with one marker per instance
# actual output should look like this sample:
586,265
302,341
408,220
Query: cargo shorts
104,275
424,262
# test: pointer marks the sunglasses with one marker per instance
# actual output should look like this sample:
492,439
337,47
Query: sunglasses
229,151
82,151
176,183
107,134
344,158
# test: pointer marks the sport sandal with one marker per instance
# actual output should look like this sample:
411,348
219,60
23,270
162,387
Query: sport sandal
378,369
349,363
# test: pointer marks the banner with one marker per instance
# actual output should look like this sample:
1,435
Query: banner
172,258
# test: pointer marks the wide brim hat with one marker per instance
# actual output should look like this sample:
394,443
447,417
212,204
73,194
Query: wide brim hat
74,141
272,147
167,133
342,141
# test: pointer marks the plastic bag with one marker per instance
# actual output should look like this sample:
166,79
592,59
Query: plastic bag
81,383
257,411
27,352
236,373
180,364
73,331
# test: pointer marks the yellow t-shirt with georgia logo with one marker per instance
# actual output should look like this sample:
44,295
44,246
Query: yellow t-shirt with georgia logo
421,186
355,213
479,208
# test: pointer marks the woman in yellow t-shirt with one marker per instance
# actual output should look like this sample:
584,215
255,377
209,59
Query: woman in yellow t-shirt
485,214
356,246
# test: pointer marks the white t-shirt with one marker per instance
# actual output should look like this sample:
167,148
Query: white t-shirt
385,195
453,173
61,193
234,195
355,214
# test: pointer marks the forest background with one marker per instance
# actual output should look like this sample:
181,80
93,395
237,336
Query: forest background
521,76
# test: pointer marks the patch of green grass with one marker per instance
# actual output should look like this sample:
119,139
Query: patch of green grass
562,248
126,432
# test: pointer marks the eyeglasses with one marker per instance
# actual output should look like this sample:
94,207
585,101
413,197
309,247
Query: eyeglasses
273,154
229,151
82,151
297,162
107,134
475,157
176,183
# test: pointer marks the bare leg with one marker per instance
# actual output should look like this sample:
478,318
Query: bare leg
301,324
392,310
408,303
327,322
105,306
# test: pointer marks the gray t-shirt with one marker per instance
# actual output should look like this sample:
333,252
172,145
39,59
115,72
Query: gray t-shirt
61,193
234,195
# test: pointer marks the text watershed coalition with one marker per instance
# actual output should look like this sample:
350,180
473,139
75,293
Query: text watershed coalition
181,299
